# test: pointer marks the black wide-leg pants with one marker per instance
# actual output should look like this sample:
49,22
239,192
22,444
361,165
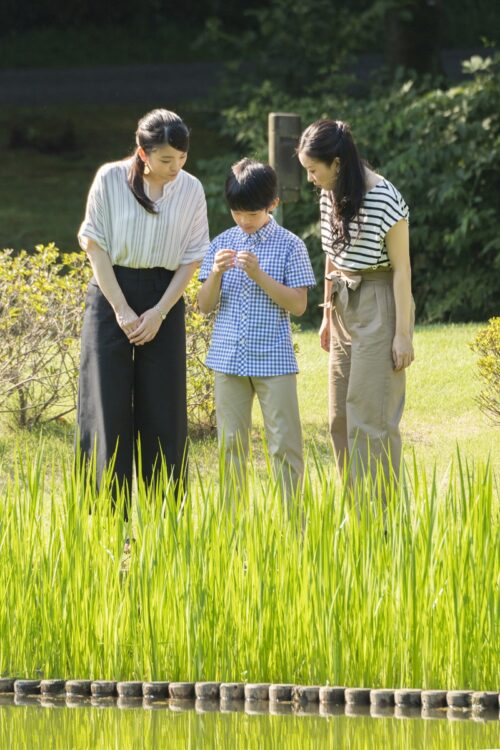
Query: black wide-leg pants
130,395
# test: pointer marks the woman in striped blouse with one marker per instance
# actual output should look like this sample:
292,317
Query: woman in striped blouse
368,308
145,232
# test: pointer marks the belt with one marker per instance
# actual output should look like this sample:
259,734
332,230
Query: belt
341,285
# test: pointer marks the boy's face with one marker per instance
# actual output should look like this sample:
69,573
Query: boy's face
252,221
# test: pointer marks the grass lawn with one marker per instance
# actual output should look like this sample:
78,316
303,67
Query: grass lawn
441,413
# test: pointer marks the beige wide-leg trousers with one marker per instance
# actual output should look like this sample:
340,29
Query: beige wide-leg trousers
366,395
277,396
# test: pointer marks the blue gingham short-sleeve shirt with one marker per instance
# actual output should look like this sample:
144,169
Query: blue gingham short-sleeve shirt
252,334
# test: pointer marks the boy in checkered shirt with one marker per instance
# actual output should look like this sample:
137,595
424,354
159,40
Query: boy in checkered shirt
257,273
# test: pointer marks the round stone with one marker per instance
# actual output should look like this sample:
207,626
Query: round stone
484,700
408,697
78,687
129,701
155,690
7,684
331,709
357,696
254,706
434,699
206,705
459,698
77,701
103,701
407,712
332,694
180,705
207,690
27,687
306,693
357,709
232,691
280,692
257,691
132,689
52,687
381,711
231,705
280,708
382,697
25,699
181,690
433,713
103,688
305,709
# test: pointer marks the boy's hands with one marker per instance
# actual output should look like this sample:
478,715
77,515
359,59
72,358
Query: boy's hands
224,260
249,263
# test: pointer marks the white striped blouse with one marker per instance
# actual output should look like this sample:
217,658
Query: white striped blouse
381,208
133,237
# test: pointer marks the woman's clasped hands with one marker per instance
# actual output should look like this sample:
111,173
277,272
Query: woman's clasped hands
139,329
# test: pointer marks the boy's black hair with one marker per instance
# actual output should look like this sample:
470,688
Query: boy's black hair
251,186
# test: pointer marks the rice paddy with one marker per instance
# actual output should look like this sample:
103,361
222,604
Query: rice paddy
307,593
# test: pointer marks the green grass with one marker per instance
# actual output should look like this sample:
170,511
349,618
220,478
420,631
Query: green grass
441,413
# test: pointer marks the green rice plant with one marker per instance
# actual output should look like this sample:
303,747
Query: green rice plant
242,585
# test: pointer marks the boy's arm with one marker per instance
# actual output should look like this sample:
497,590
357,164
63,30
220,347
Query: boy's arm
209,294
291,299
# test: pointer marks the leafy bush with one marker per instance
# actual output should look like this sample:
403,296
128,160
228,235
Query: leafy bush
200,380
487,344
442,150
41,307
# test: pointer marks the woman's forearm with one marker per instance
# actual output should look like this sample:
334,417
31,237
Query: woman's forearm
105,276
177,286
402,300
328,287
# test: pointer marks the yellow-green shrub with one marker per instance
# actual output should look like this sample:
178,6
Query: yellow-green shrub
41,306
42,296
487,344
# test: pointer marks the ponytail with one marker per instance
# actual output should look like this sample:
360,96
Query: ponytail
136,182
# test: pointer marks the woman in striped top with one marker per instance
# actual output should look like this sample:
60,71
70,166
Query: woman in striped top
368,308
145,232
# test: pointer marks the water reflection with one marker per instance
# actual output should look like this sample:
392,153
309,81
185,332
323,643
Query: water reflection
33,723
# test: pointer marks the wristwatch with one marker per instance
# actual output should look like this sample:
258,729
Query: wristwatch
163,315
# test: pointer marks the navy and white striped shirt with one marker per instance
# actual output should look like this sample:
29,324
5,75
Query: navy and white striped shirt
252,334
381,208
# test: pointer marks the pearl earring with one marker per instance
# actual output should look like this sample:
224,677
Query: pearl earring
146,168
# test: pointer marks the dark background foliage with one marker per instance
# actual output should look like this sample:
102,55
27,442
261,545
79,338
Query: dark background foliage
383,65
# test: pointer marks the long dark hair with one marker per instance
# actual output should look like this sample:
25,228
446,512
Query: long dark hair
157,128
251,186
326,140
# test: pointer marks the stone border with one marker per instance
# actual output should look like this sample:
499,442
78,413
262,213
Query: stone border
255,698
